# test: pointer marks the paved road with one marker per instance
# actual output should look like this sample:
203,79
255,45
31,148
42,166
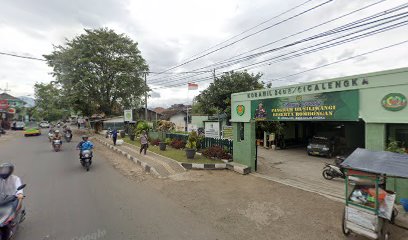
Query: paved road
65,202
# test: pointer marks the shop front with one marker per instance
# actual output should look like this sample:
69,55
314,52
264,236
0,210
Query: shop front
367,110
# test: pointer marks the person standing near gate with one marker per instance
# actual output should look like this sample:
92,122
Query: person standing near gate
143,142
114,136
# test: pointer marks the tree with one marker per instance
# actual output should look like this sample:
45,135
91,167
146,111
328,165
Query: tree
100,71
217,97
50,103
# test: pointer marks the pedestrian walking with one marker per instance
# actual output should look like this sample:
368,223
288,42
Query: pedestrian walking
114,136
143,142
79,125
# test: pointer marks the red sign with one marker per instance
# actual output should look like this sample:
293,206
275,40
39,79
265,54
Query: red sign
4,104
12,110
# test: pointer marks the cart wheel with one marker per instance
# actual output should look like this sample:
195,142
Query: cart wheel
327,174
346,231
385,231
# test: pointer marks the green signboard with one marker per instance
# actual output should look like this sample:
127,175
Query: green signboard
331,106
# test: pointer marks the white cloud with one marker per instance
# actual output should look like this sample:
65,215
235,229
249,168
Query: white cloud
168,32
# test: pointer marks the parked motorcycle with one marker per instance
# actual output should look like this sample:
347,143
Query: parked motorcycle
56,144
10,216
331,171
108,134
68,136
86,159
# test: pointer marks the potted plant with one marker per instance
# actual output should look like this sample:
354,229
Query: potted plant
122,133
164,126
191,146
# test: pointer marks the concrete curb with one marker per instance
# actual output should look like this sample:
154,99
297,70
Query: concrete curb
204,166
146,167
179,163
236,167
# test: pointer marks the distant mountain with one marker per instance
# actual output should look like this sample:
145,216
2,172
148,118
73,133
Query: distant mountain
30,102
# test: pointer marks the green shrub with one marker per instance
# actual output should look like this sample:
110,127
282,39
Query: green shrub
141,125
192,140
394,146
168,141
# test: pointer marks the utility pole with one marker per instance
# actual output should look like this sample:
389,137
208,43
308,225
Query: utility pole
214,75
145,77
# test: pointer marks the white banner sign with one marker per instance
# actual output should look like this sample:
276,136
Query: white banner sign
212,129
128,115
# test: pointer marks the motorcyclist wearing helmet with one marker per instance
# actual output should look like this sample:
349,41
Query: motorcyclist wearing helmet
57,135
9,182
85,144
66,129
8,186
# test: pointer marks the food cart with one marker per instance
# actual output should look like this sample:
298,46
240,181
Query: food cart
369,209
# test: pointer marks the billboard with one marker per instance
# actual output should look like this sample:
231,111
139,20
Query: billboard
331,106
4,104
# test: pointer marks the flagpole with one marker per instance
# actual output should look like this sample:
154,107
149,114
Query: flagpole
188,91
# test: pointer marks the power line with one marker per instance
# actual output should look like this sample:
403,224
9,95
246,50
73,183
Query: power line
21,56
335,62
311,69
166,80
327,33
249,29
307,52
300,32
248,36
400,24
296,52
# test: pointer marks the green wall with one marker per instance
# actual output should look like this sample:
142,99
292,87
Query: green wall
245,151
375,135
198,120
371,109
376,141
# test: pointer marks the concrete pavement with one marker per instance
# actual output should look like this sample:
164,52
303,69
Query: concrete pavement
66,202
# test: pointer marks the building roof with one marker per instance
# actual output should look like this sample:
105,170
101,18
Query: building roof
8,97
171,112
159,110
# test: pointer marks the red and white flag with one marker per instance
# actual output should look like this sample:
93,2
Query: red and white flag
192,86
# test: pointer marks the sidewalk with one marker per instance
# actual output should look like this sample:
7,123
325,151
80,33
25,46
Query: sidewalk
165,167
293,167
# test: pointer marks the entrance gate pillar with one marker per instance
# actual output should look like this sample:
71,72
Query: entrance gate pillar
244,151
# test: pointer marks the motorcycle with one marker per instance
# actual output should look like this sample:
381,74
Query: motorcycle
56,144
50,136
86,159
10,216
68,136
108,134
331,171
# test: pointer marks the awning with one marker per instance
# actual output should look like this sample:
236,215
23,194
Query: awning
388,163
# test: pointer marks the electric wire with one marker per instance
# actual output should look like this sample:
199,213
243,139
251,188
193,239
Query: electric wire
359,36
248,36
344,27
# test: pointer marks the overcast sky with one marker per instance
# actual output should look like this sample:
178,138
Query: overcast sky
169,32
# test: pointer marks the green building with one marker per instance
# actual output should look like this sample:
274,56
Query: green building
367,109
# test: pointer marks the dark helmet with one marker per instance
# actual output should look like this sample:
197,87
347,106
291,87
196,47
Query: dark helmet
84,137
6,169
